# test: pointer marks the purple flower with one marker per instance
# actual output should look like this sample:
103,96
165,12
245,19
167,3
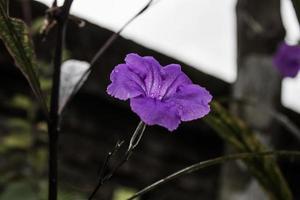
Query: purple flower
158,95
287,59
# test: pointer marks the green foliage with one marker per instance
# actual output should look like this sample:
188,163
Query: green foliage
18,136
15,141
15,36
23,145
21,102
122,193
239,136
19,190
26,190
37,25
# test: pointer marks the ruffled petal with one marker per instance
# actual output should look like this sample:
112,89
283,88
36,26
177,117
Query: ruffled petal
172,77
153,111
136,64
125,83
192,102
153,79
148,69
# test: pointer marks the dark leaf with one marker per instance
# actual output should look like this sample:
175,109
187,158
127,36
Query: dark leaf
15,36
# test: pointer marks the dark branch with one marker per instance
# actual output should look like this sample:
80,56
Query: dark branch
53,123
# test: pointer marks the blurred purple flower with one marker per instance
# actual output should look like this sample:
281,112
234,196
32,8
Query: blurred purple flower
158,95
287,59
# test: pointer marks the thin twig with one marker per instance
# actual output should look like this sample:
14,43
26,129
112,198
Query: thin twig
211,162
108,158
104,47
103,169
285,121
134,141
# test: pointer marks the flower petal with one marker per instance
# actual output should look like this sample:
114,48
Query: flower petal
153,79
192,102
136,64
287,60
153,111
148,69
125,83
173,77
159,95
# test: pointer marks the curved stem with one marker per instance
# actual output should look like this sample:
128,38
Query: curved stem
208,163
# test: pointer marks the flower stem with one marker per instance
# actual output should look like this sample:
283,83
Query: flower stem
134,141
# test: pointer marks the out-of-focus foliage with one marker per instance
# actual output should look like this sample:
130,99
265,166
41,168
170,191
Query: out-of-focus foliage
26,190
122,193
15,36
23,144
37,25
236,133
19,190
23,139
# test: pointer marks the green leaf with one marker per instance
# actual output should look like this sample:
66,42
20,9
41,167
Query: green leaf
15,36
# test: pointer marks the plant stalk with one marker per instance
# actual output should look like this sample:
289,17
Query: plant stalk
54,119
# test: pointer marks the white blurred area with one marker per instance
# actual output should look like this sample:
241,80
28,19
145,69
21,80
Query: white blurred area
200,33
290,96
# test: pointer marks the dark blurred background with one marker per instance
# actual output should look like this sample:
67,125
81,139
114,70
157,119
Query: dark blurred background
93,122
